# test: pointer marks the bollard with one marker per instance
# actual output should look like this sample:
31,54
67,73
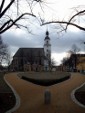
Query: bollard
47,97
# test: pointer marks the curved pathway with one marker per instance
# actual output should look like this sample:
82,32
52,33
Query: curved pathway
32,96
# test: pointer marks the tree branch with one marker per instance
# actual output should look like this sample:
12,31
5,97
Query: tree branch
13,22
77,14
64,22
2,4
5,24
8,6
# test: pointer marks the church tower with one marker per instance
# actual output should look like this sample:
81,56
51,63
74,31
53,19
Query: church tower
1,41
47,49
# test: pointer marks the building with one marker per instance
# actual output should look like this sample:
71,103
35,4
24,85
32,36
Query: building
81,63
47,52
76,62
33,58
28,56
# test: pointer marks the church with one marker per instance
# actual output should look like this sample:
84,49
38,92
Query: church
35,59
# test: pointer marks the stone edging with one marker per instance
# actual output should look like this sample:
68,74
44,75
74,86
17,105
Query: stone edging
74,98
16,96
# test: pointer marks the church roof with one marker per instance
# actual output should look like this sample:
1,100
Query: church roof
24,52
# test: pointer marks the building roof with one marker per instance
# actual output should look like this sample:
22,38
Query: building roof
23,52
78,55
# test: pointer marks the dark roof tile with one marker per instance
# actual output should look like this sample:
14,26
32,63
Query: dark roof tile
29,51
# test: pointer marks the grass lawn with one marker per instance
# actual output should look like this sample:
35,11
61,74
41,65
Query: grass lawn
80,94
7,98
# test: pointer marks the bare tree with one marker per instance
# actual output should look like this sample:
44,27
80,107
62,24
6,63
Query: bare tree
11,14
63,60
75,49
9,19
72,21
8,57
3,52
71,60
53,62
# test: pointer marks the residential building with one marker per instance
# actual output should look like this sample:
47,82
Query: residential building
76,62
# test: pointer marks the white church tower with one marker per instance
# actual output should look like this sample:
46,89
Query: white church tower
47,51
1,41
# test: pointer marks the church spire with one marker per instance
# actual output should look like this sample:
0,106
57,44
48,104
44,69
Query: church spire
47,36
47,33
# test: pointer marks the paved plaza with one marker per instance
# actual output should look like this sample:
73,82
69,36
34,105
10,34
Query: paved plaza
32,96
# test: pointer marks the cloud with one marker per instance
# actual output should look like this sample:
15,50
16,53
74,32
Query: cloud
65,42
59,43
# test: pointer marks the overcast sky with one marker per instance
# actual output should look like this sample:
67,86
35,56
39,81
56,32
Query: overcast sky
60,43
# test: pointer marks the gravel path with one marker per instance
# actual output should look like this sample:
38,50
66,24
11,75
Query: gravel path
32,96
